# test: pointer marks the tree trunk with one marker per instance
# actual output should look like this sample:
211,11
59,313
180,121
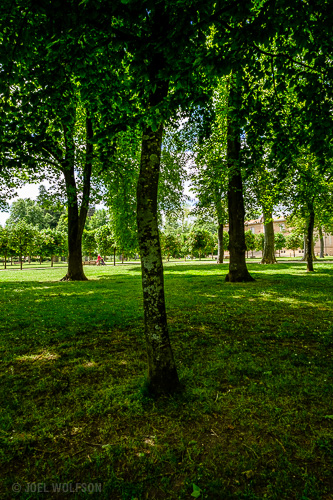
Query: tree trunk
237,247
162,373
322,244
309,238
114,256
5,260
21,261
220,249
269,252
307,251
51,260
76,217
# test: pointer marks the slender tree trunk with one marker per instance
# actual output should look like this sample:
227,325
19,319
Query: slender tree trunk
269,252
5,261
309,238
114,256
21,261
220,249
76,217
51,260
308,255
322,243
237,247
162,373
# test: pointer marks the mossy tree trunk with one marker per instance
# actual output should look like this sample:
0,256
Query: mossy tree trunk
162,373
322,243
269,250
237,247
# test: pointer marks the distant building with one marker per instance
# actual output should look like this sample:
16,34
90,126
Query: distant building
280,225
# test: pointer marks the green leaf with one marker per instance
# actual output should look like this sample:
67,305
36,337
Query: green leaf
196,491
328,416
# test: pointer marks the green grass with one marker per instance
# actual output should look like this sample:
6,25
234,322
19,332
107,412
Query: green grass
255,417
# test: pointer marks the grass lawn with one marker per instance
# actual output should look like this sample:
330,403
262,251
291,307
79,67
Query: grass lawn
254,419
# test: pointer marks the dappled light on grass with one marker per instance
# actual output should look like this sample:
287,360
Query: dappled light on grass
44,356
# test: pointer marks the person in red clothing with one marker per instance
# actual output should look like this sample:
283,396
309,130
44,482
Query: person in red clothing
98,261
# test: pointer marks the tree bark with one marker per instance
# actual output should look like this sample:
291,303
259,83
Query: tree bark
220,248
308,255
322,243
269,251
77,216
309,238
237,247
162,373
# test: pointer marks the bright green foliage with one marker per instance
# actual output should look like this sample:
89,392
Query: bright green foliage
105,240
294,241
250,240
259,242
4,243
99,219
48,243
279,241
200,242
29,211
21,238
89,244
170,245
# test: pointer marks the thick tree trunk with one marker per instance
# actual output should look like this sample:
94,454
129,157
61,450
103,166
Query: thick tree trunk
322,244
162,373
269,251
76,217
220,248
237,247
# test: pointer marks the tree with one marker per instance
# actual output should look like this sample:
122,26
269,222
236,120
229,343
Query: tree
4,244
29,211
279,242
105,240
294,241
250,241
89,244
199,240
259,242
170,245
21,238
237,247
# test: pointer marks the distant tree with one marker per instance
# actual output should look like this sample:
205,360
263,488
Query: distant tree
28,211
170,245
105,240
89,244
259,242
250,241
99,219
294,241
279,242
21,238
4,244
199,240
49,243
